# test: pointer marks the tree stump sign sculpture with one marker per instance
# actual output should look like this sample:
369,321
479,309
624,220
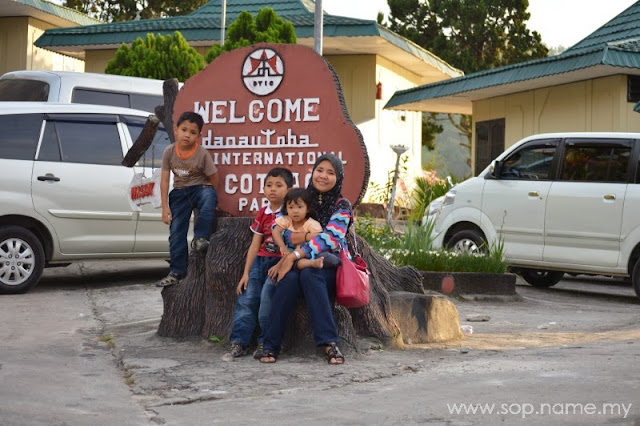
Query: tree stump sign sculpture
264,106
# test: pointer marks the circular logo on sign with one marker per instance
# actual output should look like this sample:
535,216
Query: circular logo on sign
262,71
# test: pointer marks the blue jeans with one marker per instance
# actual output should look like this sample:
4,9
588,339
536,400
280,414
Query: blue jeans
318,287
254,302
182,201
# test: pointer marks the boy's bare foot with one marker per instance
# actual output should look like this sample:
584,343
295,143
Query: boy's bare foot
317,263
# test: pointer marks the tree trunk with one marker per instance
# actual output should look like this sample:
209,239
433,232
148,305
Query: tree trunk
165,112
143,142
164,115
203,303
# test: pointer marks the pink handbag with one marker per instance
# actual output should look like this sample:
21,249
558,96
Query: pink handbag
352,281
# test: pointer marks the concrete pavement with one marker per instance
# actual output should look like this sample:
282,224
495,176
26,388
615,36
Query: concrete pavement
54,369
557,348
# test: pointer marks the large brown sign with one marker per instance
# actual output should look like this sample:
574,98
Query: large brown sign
272,105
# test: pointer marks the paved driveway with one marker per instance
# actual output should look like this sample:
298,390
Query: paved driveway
81,349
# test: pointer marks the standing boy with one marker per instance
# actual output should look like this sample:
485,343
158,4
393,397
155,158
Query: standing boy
195,178
254,296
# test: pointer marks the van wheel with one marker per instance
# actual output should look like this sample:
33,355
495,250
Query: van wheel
541,278
467,241
21,260
635,278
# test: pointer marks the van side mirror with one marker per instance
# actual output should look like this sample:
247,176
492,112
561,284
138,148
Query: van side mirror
496,169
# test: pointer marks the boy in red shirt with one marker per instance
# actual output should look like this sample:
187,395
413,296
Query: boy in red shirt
254,296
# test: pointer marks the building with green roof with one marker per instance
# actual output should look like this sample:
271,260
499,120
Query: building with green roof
592,86
365,55
22,22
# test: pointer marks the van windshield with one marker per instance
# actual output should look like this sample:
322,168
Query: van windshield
14,89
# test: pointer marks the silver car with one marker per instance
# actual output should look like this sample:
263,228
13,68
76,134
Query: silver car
64,193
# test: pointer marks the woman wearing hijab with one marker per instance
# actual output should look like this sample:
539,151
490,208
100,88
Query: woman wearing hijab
316,285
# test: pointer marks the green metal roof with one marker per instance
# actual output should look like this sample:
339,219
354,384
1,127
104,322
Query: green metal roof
200,27
66,13
282,7
204,24
623,27
203,27
613,46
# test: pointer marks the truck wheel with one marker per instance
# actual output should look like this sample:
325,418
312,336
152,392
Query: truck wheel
541,278
468,241
635,278
21,260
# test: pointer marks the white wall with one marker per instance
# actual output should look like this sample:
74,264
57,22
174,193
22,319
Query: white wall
393,128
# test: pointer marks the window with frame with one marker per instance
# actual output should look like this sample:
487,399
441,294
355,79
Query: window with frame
99,97
19,136
87,140
596,161
489,142
633,88
531,162
15,89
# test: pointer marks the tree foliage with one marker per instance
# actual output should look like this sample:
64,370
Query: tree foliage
470,35
267,27
160,57
128,10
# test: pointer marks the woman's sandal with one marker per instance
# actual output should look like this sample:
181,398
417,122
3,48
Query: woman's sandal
333,354
268,357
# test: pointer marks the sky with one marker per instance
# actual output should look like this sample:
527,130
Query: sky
559,22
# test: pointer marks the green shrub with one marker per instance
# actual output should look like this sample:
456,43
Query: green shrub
267,27
157,56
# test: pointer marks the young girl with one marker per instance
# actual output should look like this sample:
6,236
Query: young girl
296,217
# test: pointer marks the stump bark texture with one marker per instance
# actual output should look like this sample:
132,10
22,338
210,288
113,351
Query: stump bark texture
144,141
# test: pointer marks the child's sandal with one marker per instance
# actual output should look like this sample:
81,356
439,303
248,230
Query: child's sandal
332,353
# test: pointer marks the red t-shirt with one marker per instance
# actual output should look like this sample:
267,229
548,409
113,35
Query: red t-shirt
262,225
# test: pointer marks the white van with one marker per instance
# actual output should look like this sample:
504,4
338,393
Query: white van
564,202
82,88
64,192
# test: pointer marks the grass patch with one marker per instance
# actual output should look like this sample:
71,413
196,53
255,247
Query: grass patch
216,339
128,378
108,339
